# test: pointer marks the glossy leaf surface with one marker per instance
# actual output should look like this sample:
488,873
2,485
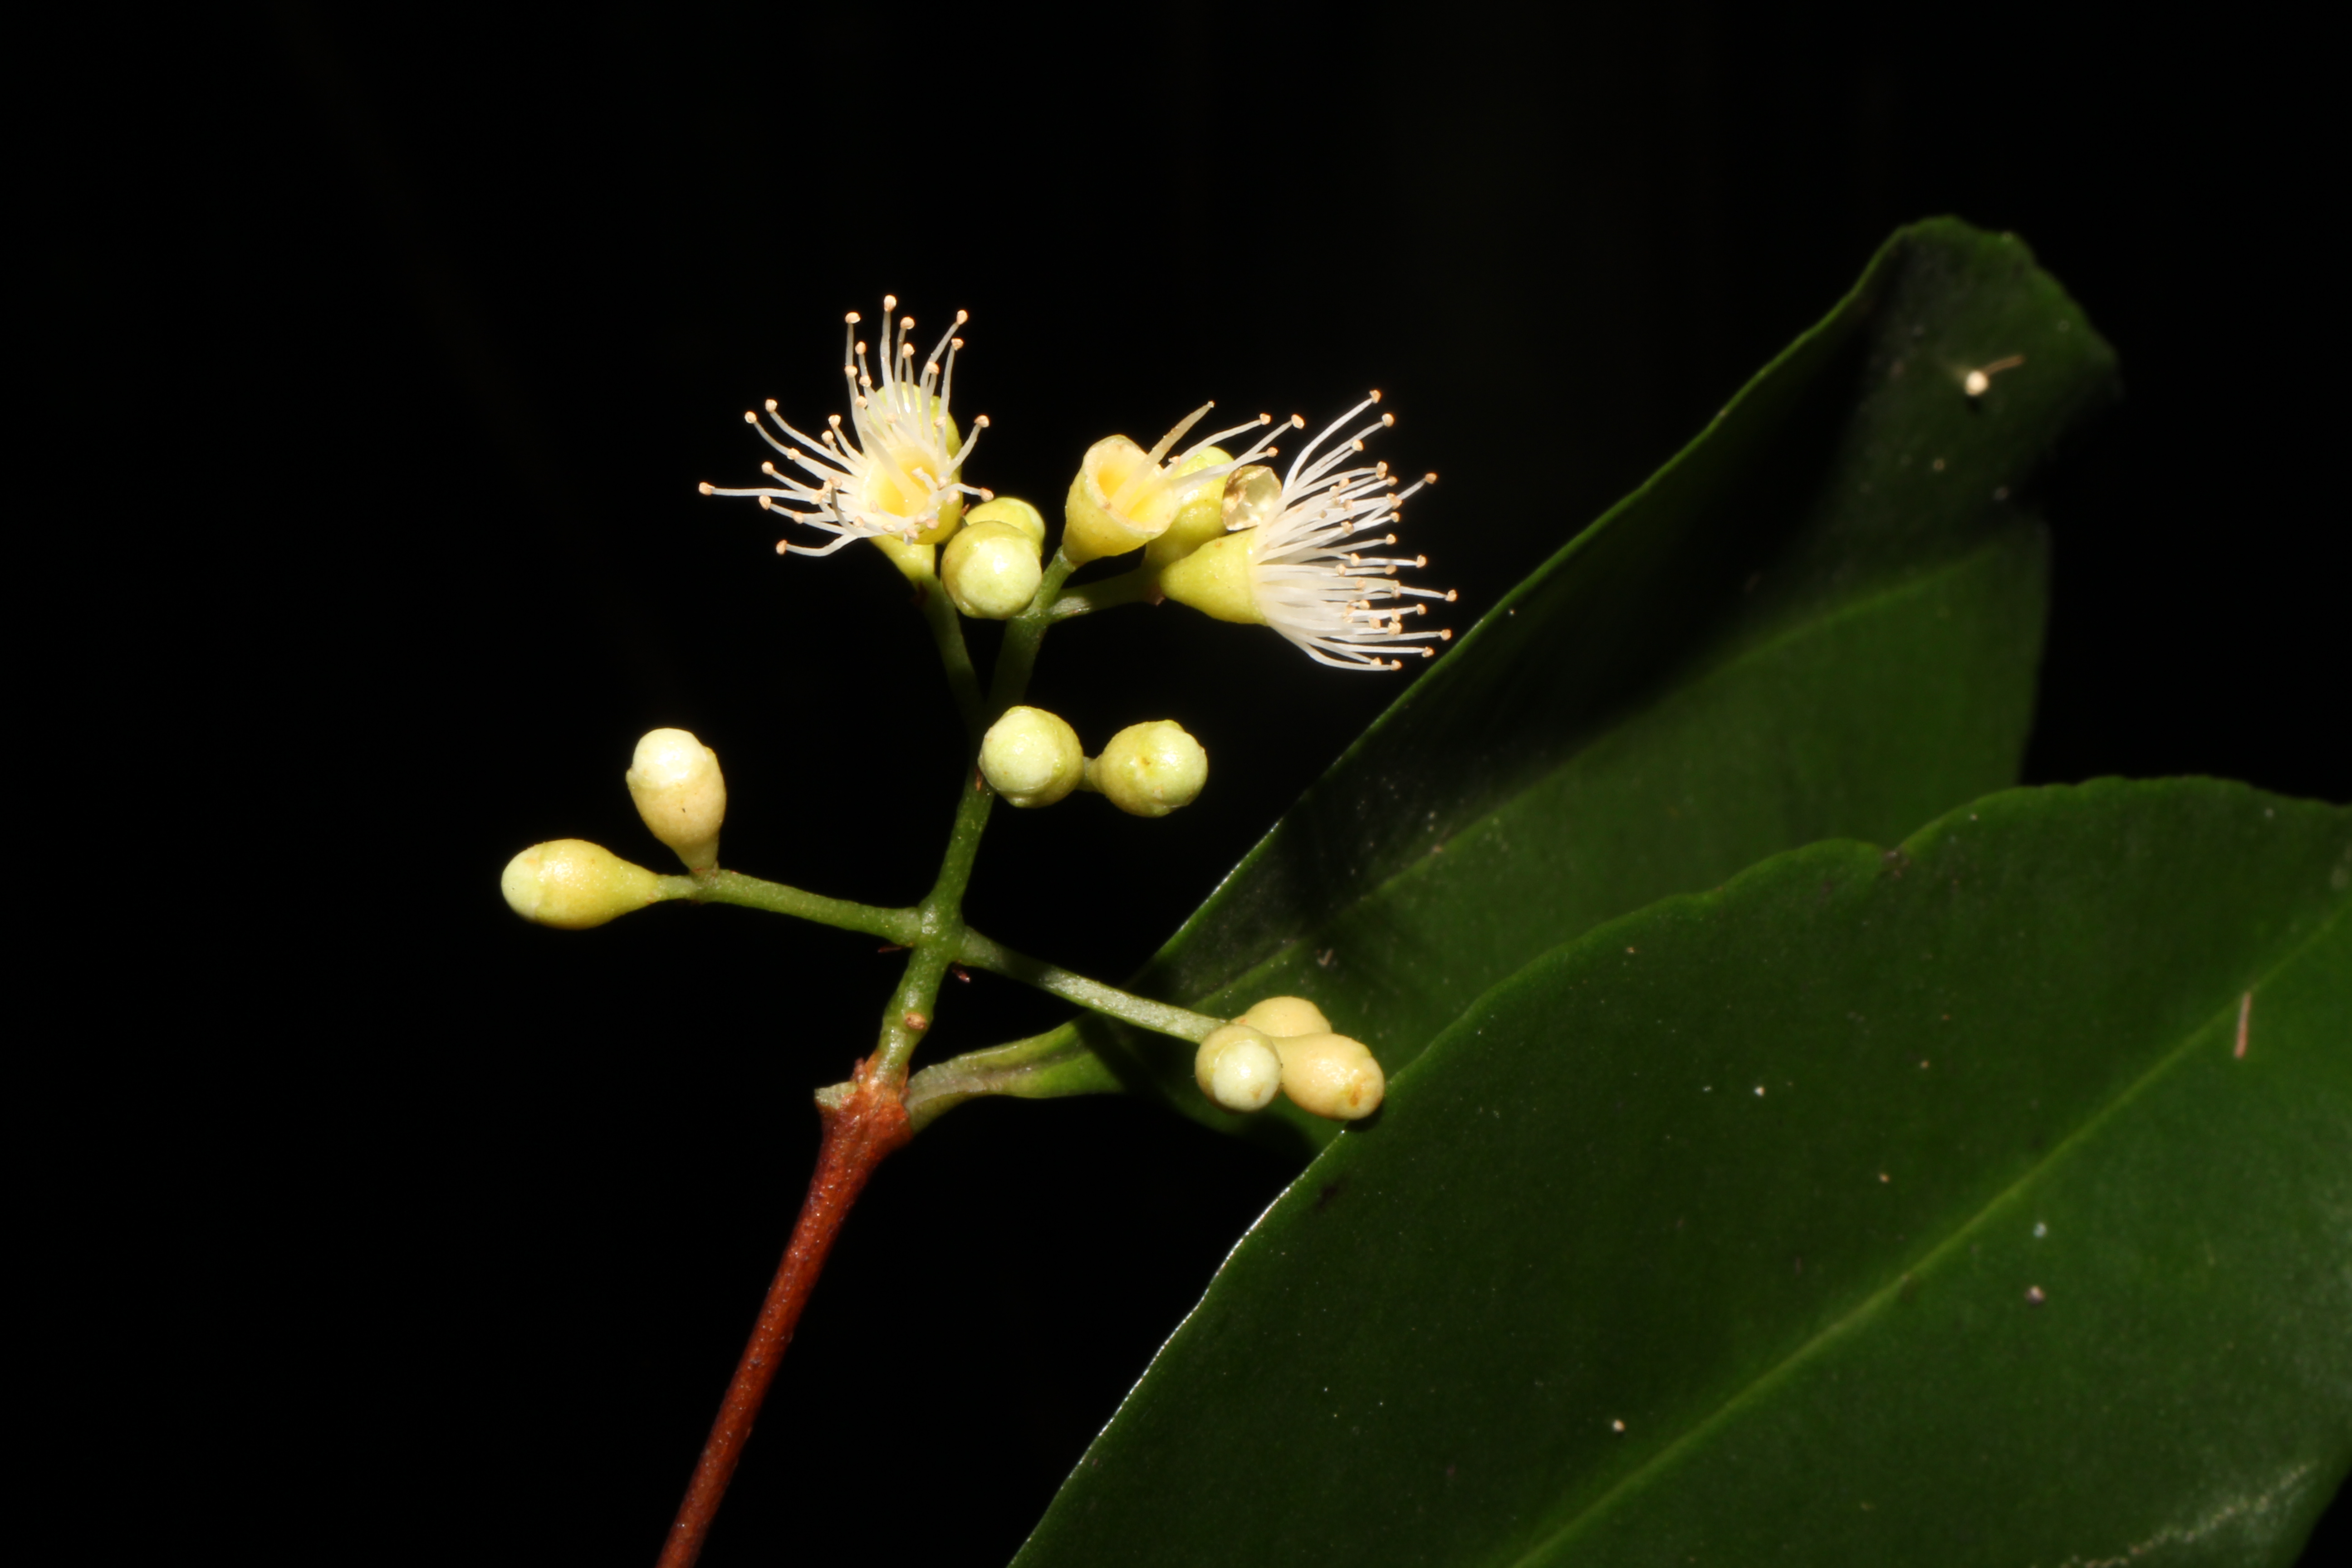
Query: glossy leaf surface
1989,1201
1821,619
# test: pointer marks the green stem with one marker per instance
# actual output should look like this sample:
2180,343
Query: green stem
1127,588
947,631
1043,1066
1022,634
938,936
981,952
901,926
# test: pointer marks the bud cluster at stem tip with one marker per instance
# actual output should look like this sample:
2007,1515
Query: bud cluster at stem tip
1286,1042
1031,758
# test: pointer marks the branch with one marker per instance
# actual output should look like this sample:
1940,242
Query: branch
981,952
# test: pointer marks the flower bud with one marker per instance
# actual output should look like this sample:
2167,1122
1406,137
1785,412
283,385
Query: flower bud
1237,1067
991,570
1015,510
1331,1076
571,885
1220,579
1218,576
1150,770
674,780
1199,519
1031,757
1285,1016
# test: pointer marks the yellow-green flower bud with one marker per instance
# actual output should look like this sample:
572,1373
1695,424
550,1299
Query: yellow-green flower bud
674,780
1216,579
571,885
1199,519
991,570
1237,1067
1331,1076
1150,770
1015,510
1217,576
1031,757
1283,1017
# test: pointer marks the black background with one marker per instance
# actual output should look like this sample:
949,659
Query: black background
476,301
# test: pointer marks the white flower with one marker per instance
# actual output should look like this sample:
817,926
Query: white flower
896,471
1294,558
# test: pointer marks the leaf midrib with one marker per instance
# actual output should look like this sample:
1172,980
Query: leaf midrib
1786,1366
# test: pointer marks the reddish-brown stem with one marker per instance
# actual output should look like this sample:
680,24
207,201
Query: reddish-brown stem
859,1133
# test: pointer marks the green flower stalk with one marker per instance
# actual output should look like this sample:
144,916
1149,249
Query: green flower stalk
1217,528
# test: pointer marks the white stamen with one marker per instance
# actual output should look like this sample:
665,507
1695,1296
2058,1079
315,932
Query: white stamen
893,472
1310,582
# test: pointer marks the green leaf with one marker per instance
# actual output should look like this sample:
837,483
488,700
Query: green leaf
1903,1207
1821,619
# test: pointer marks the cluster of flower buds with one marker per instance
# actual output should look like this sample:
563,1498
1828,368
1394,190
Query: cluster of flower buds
570,884
1286,1043
1031,758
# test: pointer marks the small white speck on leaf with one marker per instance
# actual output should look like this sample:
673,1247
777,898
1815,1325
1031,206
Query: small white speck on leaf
2040,1228
2033,1296
1978,382
1759,1092
1616,1425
